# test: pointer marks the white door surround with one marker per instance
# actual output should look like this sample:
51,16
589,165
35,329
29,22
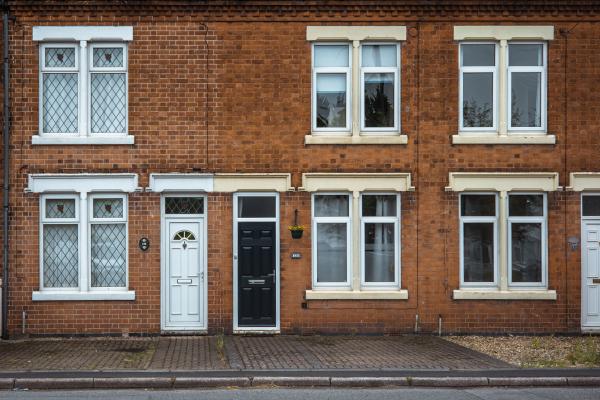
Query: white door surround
183,269
590,274
259,329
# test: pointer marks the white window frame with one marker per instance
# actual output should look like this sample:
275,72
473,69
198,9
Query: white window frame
332,70
84,289
103,221
479,69
543,220
543,81
479,219
397,242
381,70
59,221
349,223
107,70
43,70
84,69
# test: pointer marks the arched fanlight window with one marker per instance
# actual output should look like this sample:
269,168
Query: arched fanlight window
187,235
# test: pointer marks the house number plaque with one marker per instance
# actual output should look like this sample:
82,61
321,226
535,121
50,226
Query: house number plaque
296,255
144,244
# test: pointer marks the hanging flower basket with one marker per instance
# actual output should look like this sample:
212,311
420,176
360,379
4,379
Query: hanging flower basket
296,231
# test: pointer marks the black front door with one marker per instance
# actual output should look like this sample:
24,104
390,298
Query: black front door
256,273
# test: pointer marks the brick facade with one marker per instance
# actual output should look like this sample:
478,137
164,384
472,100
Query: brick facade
227,88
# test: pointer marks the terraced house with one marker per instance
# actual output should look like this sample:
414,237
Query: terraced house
436,161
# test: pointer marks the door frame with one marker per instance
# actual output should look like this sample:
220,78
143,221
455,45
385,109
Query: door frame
259,329
164,245
583,268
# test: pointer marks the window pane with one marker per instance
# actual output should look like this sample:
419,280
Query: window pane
60,208
332,246
590,206
61,256
526,205
331,56
108,57
526,252
60,103
478,55
478,205
525,55
184,205
109,255
380,259
256,207
379,56
109,103
478,252
379,100
379,205
526,99
331,100
478,100
59,57
332,205
108,208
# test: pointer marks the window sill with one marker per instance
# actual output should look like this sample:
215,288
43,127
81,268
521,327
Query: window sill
83,296
74,140
479,294
492,138
362,139
357,295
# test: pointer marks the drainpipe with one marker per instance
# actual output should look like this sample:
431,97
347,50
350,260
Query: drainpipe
5,164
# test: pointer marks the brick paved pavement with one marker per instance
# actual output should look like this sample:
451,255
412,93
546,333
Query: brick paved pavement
242,353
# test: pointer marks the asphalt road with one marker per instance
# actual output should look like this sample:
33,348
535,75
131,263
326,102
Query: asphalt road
320,394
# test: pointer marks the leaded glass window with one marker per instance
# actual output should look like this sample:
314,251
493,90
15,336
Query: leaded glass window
106,92
60,242
184,205
108,242
108,89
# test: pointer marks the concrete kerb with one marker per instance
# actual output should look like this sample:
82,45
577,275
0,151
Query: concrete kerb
170,382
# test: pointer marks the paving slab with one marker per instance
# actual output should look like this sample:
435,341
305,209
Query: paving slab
245,353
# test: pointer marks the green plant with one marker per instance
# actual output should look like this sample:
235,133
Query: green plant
296,227
585,352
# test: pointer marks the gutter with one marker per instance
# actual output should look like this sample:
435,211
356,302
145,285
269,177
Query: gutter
5,165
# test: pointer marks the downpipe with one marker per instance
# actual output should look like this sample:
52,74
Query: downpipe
5,163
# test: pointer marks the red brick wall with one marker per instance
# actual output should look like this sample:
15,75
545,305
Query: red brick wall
229,91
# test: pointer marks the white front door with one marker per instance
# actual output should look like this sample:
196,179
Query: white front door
590,301
185,274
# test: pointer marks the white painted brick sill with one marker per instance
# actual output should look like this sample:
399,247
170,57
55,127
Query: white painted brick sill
83,296
361,139
493,138
474,294
357,295
82,140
